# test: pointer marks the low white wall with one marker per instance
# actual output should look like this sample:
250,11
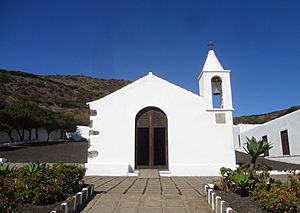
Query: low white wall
42,136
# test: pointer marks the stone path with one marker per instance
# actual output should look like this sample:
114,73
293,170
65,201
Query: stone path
148,195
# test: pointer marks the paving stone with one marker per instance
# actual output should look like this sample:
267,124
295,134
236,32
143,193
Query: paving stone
148,173
191,196
174,203
176,210
197,210
97,209
152,203
196,203
151,210
134,195
152,197
126,210
171,197
129,204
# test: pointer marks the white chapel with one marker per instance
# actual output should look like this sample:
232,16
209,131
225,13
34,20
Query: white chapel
154,124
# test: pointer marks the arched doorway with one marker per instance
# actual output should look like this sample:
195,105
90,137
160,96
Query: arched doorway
151,139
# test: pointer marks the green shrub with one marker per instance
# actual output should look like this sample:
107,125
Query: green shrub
32,168
37,183
69,176
38,187
273,195
280,198
243,182
240,181
294,179
7,188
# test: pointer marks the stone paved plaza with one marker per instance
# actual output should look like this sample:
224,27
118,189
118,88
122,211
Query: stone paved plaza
148,195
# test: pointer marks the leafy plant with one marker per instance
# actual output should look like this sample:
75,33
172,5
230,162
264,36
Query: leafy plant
280,198
256,148
33,168
226,182
70,175
7,189
243,182
294,179
5,169
37,183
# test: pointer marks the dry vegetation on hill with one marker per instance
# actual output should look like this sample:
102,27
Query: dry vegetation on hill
60,93
262,118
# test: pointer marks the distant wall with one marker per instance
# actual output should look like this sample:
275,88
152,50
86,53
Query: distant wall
42,135
238,130
272,129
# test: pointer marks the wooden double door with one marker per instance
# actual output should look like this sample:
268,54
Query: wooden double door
151,139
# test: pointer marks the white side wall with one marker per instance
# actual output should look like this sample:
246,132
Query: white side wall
196,144
42,136
272,129
237,130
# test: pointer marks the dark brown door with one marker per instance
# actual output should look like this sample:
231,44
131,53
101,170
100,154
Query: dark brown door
265,138
151,139
285,142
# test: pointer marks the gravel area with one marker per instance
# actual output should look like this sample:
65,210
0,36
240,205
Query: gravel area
275,165
51,152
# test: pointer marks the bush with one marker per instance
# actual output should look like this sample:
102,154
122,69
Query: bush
7,188
240,181
38,186
294,179
37,183
69,176
280,198
272,195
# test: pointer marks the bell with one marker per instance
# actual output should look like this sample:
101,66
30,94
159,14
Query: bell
216,90
216,86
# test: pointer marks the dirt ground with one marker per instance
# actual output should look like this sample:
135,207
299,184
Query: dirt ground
51,152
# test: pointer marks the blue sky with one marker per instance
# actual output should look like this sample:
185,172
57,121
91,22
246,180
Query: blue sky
258,40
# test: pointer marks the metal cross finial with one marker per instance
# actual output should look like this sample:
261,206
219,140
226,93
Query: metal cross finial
211,45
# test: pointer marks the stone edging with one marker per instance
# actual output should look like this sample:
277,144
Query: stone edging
217,204
76,202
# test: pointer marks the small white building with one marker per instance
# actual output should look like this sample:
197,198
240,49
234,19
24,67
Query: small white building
283,133
152,123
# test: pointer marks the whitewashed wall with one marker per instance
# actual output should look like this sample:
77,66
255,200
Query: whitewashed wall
196,144
42,136
237,130
289,122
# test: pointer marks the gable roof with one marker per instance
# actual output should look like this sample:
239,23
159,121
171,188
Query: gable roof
140,81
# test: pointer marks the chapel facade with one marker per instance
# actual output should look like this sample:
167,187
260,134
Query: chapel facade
154,124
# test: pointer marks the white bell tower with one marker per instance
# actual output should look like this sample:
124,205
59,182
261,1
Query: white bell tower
214,83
